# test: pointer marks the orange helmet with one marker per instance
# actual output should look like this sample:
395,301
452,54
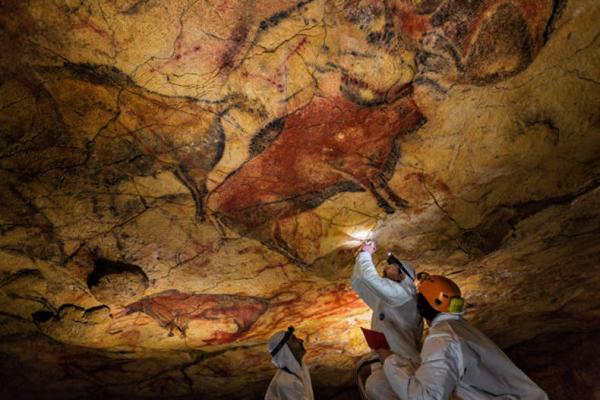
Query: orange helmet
441,293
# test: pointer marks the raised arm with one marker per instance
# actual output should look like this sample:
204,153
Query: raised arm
370,286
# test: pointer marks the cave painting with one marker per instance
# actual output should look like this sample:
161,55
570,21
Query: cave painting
454,41
340,141
152,132
348,141
478,41
174,310
330,146
77,130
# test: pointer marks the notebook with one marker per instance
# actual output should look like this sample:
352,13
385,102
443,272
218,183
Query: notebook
375,340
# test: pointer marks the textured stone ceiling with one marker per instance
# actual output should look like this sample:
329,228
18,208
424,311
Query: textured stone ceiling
180,179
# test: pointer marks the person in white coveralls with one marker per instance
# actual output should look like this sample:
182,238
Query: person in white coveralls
292,379
456,359
393,299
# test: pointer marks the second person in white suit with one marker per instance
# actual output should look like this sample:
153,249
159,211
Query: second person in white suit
457,359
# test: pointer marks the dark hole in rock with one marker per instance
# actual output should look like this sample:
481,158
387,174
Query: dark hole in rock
115,282
42,316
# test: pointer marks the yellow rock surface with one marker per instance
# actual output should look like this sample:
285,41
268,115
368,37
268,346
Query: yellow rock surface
179,180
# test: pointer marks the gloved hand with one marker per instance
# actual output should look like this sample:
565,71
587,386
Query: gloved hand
369,247
383,354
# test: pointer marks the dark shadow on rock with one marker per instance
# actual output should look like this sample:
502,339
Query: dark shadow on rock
115,282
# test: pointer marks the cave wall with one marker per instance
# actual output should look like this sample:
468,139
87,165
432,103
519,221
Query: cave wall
181,179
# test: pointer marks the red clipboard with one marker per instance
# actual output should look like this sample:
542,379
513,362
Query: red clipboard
375,340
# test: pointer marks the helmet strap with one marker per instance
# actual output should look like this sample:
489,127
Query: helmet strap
426,310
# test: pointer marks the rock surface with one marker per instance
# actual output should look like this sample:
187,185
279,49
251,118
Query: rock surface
179,180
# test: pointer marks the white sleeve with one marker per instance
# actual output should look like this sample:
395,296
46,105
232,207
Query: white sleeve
371,287
436,377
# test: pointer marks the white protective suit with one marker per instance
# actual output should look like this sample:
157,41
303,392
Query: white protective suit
395,313
457,358
292,379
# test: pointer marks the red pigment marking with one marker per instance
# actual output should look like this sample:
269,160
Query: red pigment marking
131,337
536,14
530,11
204,248
185,54
409,23
441,186
333,302
281,70
87,24
317,141
297,47
428,179
174,310
223,6
252,249
264,78
416,175
221,337
273,266
293,297
319,303
199,268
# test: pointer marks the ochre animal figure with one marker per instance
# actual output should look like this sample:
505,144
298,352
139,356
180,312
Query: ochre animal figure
475,41
174,310
148,132
330,146
348,143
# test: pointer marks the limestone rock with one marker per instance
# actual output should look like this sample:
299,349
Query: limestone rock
179,180
115,282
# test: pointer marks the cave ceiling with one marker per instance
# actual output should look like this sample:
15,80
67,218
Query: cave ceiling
179,180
